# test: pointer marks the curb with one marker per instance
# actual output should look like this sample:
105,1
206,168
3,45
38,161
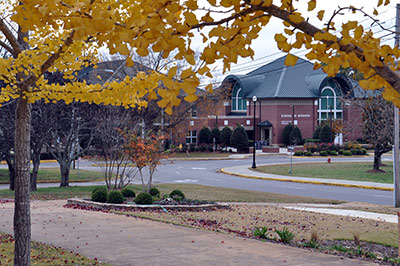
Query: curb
306,181
57,181
41,161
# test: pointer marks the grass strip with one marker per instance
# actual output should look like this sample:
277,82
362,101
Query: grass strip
53,175
356,171
191,191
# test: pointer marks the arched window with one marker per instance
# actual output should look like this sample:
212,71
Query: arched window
238,102
329,105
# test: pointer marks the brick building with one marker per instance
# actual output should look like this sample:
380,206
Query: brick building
298,95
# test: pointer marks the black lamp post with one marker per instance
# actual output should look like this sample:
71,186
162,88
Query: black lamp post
254,131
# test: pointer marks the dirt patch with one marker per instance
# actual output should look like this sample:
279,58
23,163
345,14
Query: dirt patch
376,171
345,236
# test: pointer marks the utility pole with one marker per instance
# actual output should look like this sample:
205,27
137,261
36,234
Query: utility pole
396,167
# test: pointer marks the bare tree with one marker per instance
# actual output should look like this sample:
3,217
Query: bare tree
72,132
7,127
378,126
117,169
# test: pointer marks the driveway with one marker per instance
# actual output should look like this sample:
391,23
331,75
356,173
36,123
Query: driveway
121,240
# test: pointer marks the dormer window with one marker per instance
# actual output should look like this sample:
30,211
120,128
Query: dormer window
238,102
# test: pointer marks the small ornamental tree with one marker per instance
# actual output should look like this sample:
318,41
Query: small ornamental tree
316,133
215,134
226,134
295,136
239,139
286,134
326,134
145,151
204,135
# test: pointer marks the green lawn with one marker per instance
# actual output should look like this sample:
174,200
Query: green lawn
335,170
200,155
53,175
191,191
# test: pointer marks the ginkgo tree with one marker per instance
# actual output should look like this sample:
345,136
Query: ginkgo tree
63,35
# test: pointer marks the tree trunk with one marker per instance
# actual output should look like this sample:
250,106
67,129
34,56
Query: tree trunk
22,215
11,171
64,169
35,170
377,160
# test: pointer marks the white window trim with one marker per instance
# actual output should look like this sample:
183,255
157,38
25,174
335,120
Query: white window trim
236,99
335,111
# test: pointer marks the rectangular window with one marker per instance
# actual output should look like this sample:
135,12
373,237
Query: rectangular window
194,111
324,104
338,115
191,137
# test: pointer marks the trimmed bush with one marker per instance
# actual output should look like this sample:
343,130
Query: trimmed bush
298,153
239,139
295,136
286,134
308,153
204,136
333,153
215,134
225,137
326,133
128,193
363,151
316,133
323,153
115,197
177,195
154,192
341,152
347,153
312,140
99,194
144,198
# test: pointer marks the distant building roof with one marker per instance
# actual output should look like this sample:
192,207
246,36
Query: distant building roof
275,80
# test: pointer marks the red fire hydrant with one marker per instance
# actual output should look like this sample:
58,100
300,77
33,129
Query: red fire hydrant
329,160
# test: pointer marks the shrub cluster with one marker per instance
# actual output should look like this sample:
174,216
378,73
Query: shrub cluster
99,194
154,192
144,198
115,197
128,193
177,195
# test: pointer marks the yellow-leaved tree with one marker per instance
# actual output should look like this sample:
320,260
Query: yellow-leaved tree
64,35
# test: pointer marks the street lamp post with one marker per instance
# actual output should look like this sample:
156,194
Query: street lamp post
254,131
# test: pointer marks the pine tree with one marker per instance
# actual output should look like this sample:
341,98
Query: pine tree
286,134
239,139
295,136
215,134
204,135
225,137
326,134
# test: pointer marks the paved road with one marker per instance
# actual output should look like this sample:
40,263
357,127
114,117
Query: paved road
121,240
206,173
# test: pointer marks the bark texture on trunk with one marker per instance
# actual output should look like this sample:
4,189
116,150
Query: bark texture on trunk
22,216
377,161
64,169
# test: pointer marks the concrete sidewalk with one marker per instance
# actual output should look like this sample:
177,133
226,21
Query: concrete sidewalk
121,240
245,171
